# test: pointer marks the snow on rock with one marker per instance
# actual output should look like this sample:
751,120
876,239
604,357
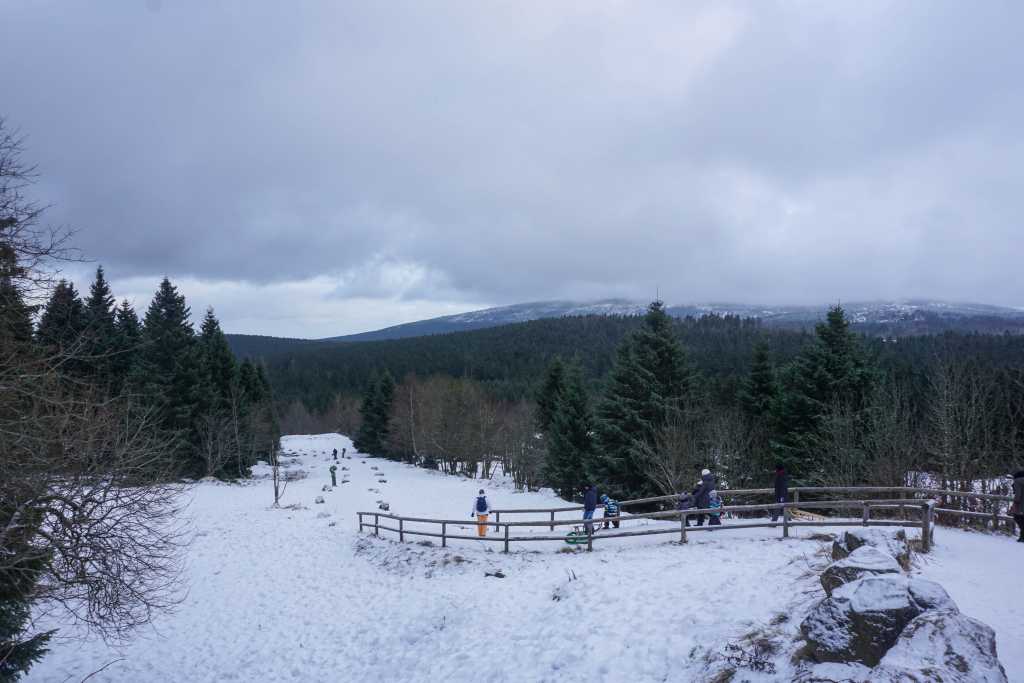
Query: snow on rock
893,542
943,646
862,619
865,560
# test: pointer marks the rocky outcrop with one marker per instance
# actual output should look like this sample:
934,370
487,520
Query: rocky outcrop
895,544
866,560
864,618
943,646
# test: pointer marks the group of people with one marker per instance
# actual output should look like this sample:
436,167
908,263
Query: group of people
704,496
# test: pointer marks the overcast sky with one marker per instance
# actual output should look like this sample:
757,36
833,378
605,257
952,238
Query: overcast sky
319,168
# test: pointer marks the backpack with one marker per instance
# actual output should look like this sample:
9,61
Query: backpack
714,501
481,504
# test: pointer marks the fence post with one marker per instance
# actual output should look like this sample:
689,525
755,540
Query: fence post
497,519
444,534
865,511
927,511
506,538
590,539
401,530
796,495
903,508
376,524
995,515
552,520
785,521
360,522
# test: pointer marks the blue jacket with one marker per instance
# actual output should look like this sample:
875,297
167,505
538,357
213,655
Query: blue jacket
611,508
590,499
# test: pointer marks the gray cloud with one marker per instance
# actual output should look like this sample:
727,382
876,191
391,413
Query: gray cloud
424,157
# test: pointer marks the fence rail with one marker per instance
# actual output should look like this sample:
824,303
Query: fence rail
784,520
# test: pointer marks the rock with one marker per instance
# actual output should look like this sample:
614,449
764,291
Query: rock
832,672
864,561
943,646
894,543
323,515
319,499
863,619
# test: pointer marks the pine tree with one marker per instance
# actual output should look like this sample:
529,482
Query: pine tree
651,378
15,314
101,333
382,410
570,436
18,651
550,391
218,365
63,321
168,370
833,371
760,389
126,347
365,440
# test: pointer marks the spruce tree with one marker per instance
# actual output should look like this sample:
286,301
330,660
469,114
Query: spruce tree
168,370
382,411
15,314
101,333
63,321
366,440
570,436
218,365
832,371
547,397
126,346
651,377
760,389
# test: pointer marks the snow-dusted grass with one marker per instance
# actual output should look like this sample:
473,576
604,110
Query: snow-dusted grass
281,595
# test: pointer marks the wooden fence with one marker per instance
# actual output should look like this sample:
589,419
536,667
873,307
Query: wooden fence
785,521
921,500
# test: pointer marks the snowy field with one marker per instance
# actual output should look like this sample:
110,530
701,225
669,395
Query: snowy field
300,595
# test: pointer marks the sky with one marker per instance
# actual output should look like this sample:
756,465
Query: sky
312,169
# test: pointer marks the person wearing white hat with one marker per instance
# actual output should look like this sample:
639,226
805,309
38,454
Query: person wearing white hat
702,496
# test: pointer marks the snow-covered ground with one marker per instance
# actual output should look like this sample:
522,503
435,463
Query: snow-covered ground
298,594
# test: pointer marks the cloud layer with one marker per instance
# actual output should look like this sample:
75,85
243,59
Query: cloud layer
358,164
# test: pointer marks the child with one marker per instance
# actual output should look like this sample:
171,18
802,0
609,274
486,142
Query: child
611,509
714,502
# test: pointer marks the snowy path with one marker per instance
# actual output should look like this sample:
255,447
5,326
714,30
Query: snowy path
282,595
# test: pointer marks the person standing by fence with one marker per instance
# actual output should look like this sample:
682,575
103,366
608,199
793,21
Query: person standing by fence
1017,507
611,509
481,509
702,495
781,480
589,506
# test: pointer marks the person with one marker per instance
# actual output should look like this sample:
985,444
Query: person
335,453
702,494
343,452
714,502
685,503
589,505
481,509
781,489
1017,507
611,509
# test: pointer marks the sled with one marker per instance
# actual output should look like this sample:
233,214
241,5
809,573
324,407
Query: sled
803,515
578,536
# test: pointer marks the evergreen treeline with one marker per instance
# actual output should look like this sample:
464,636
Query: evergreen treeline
834,408
214,411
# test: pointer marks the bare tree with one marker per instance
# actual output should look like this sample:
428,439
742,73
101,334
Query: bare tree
217,442
673,462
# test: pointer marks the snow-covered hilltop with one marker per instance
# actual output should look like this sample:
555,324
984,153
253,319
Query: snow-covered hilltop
910,315
297,594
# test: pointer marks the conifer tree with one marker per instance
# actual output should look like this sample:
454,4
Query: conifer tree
651,378
832,371
382,416
100,339
760,389
15,314
168,370
366,440
63,321
126,346
547,397
570,436
218,364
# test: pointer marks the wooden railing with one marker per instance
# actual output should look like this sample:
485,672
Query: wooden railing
440,528
907,492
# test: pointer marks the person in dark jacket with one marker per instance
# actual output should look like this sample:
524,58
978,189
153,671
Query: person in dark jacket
589,506
1017,507
702,494
781,480
685,503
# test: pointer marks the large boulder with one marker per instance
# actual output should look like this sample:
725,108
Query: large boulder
943,646
862,619
893,543
866,560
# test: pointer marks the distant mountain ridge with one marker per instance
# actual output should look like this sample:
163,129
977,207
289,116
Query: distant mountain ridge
913,316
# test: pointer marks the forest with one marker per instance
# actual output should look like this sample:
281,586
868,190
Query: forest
640,404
